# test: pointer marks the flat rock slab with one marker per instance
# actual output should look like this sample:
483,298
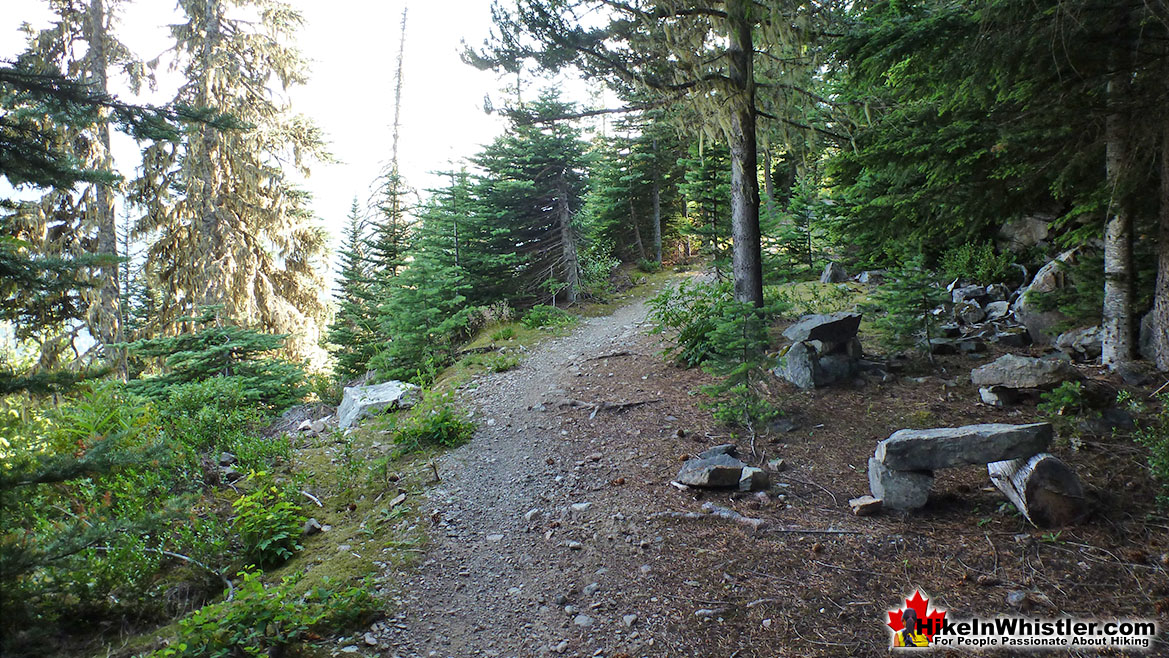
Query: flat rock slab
364,401
946,447
715,472
899,490
832,327
1013,371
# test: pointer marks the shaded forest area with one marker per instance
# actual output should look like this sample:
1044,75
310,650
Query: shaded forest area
150,350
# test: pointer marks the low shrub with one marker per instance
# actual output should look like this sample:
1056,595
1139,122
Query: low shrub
436,421
542,315
1155,437
978,262
506,333
269,524
649,266
501,362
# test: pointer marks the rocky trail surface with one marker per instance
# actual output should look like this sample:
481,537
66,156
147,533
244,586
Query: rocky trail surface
528,557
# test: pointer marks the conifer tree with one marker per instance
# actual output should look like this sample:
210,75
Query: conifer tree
523,243
353,335
707,189
227,227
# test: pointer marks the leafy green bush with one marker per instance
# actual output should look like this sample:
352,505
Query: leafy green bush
506,333
268,523
542,315
435,421
978,262
649,266
596,268
690,311
1155,437
263,621
501,362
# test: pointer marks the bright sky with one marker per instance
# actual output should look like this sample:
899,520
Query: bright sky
353,45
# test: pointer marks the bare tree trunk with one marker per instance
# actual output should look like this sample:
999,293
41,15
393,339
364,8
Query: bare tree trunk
568,244
1042,487
657,204
747,250
636,231
106,319
1118,260
1161,294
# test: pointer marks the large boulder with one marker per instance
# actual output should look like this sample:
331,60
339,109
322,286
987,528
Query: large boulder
947,447
800,365
1025,232
834,273
1050,277
719,470
1013,371
836,328
364,401
968,311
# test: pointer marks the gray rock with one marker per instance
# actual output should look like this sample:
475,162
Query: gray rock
230,474
713,472
943,346
872,276
945,447
833,327
583,621
629,620
968,293
1013,337
1013,371
1025,232
592,588
364,401
969,312
865,505
1050,277
997,310
777,465
724,449
835,368
998,396
801,366
561,647
1082,344
854,350
311,527
971,346
834,273
754,479
227,459
949,330
998,293
782,426
899,490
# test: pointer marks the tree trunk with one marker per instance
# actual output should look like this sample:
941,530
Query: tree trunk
636,231
106,318
1117,323
747,250
768,184
1045,490
1161,292
568,244
657,204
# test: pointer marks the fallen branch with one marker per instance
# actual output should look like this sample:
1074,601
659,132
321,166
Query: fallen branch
619,406
312,498
731,515
612,355
814,531
476,350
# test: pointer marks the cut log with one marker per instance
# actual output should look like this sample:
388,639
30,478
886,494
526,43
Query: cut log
1042,487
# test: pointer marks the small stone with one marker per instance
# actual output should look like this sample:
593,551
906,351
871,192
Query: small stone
865,505
583,621
560,599
767,623
561,648
629,620
777,465
754,479
997,310
1016,598
532,515
581,507
570,609
494,538
227,459
370,639
591,589
594,457
311,527
575,546
352,648
706,613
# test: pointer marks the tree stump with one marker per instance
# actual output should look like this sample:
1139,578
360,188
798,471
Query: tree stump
1042,487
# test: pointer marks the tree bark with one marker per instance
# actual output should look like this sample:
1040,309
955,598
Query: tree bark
1117,342
1042,487
1161,292
568,244
768,184
106,318
747,250
636,231
657,205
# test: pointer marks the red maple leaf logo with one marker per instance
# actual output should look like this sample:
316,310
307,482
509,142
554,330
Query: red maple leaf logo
931,622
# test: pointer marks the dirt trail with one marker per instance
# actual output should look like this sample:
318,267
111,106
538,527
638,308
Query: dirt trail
498,577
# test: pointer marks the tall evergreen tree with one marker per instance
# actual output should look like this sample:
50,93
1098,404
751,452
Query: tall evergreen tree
353,335
707,188
523,243
227,227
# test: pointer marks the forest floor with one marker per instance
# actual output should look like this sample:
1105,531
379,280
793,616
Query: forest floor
543,539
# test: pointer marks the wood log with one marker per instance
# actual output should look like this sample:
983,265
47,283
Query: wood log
1042,487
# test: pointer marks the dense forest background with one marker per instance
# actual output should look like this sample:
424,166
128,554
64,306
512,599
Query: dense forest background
767,139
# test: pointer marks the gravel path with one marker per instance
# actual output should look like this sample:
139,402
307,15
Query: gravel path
531,553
